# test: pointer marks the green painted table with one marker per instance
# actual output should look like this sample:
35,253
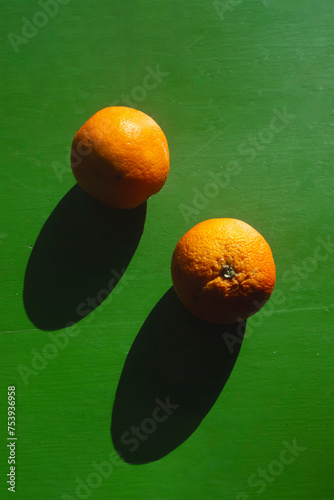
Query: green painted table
244,93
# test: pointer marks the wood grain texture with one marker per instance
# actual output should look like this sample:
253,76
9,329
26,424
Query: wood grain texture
244,95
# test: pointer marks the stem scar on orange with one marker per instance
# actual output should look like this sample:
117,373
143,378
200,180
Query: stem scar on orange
120,157
223,270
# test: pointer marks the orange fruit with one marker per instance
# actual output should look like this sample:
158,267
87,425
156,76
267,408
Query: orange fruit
223,270
120,157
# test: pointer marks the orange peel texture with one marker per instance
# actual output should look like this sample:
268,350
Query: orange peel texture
120,156
223,270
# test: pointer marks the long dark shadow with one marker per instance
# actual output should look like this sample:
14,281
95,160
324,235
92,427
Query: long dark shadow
78,258
172,376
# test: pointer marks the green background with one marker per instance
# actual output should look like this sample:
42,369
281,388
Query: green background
223,73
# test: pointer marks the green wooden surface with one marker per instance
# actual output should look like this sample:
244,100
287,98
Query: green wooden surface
216,79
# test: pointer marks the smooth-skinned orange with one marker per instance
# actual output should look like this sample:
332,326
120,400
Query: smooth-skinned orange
223,270
120,156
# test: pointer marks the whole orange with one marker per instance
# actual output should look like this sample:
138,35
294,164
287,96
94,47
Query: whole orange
120,157
223,270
